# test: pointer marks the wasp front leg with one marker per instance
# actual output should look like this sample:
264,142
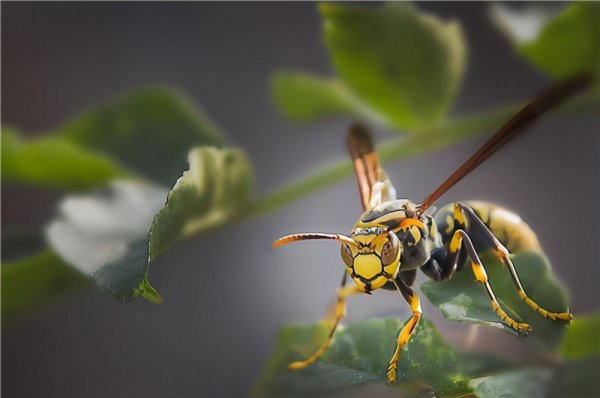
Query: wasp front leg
409,327
340,313
476,225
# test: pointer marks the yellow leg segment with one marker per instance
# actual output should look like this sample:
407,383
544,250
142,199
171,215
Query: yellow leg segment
340,313
503,255
460,237
406,332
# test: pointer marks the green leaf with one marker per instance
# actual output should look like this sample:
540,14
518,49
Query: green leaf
302,97
582,338
560,44
114,234
149,131
29,283
213,191
462,299
531,383
104,234
359,356
54,162
405,65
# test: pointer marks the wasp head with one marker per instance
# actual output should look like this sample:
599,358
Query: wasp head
371,255
374,259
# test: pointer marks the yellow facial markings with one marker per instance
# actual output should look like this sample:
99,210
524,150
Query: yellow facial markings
367,265
378,282
360,285
392,269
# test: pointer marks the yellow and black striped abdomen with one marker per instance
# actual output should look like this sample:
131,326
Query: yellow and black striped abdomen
507,226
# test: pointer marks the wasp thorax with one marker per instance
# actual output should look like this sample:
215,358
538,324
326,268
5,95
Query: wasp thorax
374,260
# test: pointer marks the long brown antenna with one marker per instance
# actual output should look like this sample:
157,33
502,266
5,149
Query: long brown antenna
314,235
555,95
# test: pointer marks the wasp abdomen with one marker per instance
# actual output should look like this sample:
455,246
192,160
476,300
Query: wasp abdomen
510,229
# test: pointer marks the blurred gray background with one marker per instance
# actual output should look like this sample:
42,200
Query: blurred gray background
225,295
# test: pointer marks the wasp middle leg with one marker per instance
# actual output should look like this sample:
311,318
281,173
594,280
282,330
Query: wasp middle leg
476,225
340,313
444,262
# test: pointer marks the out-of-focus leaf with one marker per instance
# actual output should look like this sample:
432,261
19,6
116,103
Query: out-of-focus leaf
582,338
213,191
560,43
104,234
531,383
113,235
576,379
149,131
302,97
405,65
29,283
54,162
463,299
359,355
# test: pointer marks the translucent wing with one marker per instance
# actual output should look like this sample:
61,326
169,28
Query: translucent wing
374,185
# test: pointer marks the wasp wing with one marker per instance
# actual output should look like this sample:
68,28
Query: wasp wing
529,114
374,186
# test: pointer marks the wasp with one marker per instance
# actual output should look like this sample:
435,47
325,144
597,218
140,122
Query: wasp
393,238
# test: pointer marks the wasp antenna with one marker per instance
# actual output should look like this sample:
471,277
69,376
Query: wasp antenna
312,235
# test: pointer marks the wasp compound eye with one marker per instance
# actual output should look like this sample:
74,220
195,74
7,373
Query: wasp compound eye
389,252
347,255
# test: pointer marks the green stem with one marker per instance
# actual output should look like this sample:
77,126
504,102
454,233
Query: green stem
394,149
412,145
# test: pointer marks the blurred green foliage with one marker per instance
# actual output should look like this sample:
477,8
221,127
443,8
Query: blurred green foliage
139,127
359,356
214,189
54,162
31,282
564,45
395,67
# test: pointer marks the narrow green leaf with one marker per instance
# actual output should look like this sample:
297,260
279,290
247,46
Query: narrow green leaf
358,356
462,299
582,338
530,383
213,190
302,97
405,65
560,44
54,162
149,131
31,282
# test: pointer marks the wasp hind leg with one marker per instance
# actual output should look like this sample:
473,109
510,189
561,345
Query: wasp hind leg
461,238
415,306
338,313
475,224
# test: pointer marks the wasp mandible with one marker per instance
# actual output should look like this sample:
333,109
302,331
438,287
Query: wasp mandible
394,238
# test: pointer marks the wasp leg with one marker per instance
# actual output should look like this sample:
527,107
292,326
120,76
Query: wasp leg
475,224
460,238
415,306
340,313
